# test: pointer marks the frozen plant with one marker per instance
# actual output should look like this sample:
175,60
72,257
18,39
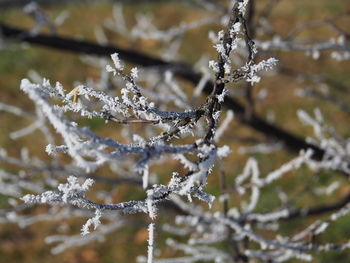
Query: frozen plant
172,147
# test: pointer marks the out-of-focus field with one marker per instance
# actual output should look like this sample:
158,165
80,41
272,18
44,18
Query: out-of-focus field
27,245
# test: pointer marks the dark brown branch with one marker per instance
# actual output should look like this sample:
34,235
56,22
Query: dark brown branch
318,79
9,4
308,212
292,142
250,34
318,210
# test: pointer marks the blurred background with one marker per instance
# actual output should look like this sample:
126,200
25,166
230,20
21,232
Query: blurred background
303,80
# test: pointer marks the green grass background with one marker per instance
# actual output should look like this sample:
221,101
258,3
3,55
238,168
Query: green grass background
27,245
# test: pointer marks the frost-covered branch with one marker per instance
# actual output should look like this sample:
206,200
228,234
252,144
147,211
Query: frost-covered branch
154,125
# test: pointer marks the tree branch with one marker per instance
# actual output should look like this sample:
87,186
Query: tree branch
292,142
318,210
